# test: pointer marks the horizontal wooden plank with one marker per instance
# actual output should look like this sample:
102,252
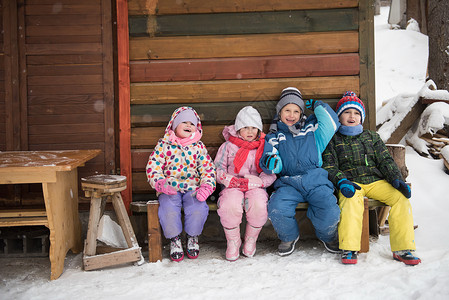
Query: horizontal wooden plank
22,212
82,111
82,129
184,47
82,146
65,89
163,7
66,20
245,23
54,49
240,90
64,80
147,137
70,138
64,59
31,221
62,100
68,69
92,8
210,113
66,30
64,39
140,183
70,118
245,67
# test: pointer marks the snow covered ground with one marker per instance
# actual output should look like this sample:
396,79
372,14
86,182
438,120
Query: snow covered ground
310,272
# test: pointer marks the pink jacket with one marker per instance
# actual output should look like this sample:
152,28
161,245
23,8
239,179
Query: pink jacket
224,160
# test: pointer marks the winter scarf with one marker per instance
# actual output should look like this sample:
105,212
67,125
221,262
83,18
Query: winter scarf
244,147
350,130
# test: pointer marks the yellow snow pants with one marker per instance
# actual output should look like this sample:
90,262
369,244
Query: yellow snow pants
400,219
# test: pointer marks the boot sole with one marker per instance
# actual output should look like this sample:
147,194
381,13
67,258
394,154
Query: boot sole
291,251
249,254
410,262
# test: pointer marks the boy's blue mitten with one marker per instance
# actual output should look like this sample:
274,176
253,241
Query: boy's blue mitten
402,187
273,162
310,104
347,188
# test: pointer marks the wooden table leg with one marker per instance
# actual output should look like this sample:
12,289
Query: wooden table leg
61,204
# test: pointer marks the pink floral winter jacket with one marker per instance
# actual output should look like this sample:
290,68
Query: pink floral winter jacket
224,161
185,167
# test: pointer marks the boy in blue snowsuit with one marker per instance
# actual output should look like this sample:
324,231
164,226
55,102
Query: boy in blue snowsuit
293,149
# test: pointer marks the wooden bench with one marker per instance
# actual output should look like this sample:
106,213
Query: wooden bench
154,231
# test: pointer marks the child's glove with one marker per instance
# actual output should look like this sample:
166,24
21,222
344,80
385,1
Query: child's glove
239,183
273,163
203,192
310,104
227,180
402,187
163,187
347,188
254,182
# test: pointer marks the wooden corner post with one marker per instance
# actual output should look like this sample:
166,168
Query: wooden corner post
124,98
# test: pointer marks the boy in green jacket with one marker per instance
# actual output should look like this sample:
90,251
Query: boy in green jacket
359,165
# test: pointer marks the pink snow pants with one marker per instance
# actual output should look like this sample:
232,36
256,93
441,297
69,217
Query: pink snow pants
232,202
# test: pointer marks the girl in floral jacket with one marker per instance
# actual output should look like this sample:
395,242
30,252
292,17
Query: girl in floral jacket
359,165
238,170
183,175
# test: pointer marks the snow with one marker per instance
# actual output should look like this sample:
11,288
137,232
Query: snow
310,272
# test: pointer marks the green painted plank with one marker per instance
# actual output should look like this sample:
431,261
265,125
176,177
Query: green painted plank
210,113
245,23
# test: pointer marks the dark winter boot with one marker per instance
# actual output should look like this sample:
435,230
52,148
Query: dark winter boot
332,247
287,248
406,257
176,252
193,249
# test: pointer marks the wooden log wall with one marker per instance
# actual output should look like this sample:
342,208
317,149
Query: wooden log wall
57,78
221,55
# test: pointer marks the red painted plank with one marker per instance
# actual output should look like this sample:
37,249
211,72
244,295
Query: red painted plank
245,67
124,98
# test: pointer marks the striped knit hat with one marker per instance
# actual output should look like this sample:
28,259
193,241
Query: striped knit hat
290,95
350,100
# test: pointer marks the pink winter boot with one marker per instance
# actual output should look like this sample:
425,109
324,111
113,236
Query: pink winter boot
249,245
233,243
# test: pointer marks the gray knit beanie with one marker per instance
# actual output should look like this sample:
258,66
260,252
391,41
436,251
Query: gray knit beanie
290,95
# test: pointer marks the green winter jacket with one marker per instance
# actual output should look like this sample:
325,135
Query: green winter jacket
363,158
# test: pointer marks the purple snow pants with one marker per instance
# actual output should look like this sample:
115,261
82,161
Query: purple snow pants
195,214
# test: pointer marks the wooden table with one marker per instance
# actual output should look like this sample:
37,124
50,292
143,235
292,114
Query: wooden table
58,173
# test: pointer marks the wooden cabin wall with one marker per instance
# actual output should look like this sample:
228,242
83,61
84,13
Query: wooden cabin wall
219,56
57,80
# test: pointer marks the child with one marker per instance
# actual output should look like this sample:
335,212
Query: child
293,150
237,163
359,165
183,175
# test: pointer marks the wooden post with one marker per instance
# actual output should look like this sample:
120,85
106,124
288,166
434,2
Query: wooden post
154,232
364,246
124,98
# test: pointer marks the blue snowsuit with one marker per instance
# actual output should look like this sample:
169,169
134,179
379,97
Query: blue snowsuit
302,179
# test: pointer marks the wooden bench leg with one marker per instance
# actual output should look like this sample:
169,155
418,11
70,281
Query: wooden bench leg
154,232
364,243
